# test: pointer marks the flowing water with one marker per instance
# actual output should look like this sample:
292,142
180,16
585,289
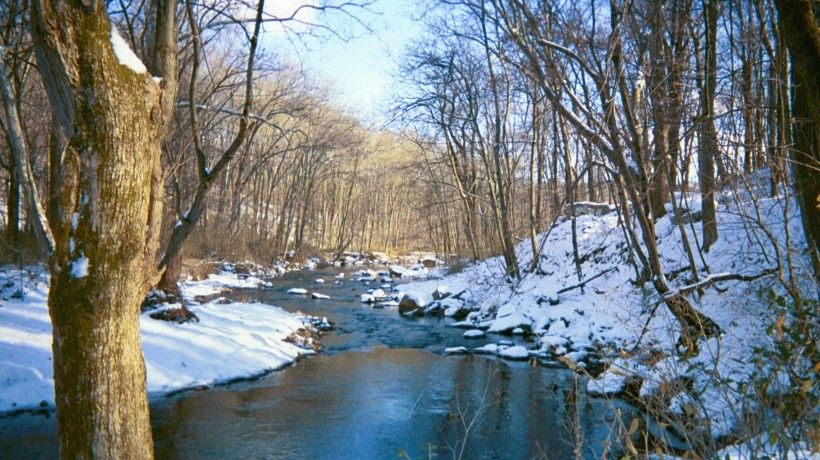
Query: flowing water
381,388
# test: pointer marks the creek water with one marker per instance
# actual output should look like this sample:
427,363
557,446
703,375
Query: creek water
381,388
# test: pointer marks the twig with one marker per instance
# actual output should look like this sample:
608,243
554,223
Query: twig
584,282
711,280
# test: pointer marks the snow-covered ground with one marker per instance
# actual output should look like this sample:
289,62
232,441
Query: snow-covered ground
628,325
230,340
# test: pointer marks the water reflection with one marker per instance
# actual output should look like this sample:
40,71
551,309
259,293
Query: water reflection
382,389
382,404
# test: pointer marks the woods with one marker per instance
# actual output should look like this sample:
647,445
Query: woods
140,134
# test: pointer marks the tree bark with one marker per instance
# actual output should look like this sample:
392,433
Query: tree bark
800,29
22,168
207,175
708,148
105,229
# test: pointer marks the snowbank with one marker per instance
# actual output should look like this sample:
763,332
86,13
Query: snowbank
220,282
230,341
612,317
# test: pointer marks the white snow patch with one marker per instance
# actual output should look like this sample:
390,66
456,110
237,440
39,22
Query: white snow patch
516,352
125,56
229,341
474,334
79,267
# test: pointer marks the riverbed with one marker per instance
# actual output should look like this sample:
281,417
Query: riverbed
381,388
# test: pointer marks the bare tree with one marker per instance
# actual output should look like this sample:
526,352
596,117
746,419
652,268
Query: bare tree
802,33
114,115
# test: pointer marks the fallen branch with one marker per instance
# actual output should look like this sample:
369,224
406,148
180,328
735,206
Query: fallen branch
584,282
712,279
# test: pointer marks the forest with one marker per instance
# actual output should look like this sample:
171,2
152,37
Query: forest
654,164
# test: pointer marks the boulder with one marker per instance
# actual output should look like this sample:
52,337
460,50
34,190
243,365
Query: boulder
516,353
178,315
510,321
474,334
587,208
683,216
454,308
435,308
411,302
368,298
489,349
455,351
441,292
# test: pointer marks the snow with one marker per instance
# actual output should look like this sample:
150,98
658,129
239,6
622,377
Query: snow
125,56
220,282
489,349
474,334
229,341
319,296
320,281
611,316
455,351
79,267
515,352
300,291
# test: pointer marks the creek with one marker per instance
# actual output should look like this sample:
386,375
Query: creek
381,388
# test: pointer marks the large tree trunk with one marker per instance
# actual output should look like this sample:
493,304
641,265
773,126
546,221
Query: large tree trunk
800,29
105,228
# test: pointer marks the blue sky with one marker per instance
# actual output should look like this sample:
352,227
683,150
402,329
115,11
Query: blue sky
360,69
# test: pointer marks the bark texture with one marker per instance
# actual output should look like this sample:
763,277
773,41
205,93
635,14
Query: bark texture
800,29
105,224
708,148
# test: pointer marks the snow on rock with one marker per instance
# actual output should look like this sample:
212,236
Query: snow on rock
454,308
474,334
515,353
441,292
125,56
489,349
301,291
413,302
319,296
320,281
512,320
455,351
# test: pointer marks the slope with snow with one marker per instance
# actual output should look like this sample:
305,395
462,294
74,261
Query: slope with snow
612,316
